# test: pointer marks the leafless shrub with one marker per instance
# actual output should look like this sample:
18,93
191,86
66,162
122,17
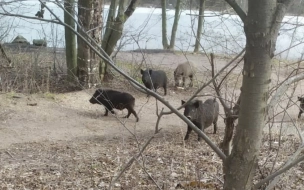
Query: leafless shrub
32,72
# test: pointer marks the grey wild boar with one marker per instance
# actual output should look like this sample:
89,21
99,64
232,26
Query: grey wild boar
154,79
183,71
111,99
201,114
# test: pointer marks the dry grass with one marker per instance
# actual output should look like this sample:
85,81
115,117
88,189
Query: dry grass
34,72
93,162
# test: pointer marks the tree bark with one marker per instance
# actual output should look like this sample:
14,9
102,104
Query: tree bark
70,41
175,24
164,25
199,25
95,33
114,31
83,58
240,166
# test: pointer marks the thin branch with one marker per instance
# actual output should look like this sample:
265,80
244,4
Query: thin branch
293,122
130,162
30,17
286,167
150,176
280,91
217,90
210,81
223,79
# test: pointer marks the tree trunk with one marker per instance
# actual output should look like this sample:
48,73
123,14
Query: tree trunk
261,34
70,42
96,34
199,25
164,25
175,24
103,68
113,32
83,59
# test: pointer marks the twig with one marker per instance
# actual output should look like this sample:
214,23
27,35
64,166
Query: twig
210,81
280,91
286,167
30,17
150,176
217,90
298,130
7,152
130,162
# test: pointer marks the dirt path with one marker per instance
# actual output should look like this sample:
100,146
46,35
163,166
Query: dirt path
69,116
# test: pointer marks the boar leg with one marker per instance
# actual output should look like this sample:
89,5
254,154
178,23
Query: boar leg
131,110
200,126
214,127
188,132
300,113
191,81
106,113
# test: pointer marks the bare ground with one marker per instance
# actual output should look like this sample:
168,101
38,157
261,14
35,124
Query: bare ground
61,141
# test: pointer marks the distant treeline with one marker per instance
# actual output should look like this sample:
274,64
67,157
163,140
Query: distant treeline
214,5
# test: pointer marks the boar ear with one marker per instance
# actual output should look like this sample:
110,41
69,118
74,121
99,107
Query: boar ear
183,102
150,71
196,104
141,71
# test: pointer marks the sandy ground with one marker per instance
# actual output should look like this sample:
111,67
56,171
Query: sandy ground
70,115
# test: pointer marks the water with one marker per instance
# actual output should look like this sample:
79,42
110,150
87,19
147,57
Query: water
222,34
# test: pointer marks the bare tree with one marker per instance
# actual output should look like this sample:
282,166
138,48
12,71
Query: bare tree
70,40
261,26
199,25
164,25
96,32
175,24
83,51
113,33
174,27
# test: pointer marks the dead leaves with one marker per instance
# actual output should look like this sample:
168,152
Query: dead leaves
197,185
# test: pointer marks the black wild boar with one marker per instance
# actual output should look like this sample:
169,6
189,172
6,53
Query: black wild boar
301,99
154,79
114,99
201,114
183,71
